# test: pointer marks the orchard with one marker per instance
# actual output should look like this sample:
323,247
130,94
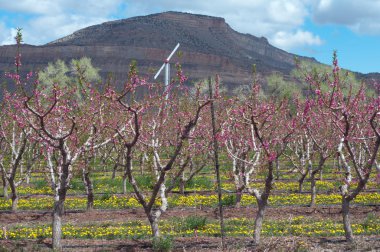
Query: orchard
138,162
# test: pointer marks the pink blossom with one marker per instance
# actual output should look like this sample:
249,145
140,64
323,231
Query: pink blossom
265,145
272,156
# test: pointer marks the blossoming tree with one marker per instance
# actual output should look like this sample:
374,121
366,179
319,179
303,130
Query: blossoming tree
66,128
268,129
355,119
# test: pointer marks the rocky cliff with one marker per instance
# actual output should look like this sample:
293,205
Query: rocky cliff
208,44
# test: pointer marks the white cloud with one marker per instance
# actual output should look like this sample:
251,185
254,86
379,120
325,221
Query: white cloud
257,17
54,19
51,7
6,35
55,27
274,19
30,6
360,16
289,40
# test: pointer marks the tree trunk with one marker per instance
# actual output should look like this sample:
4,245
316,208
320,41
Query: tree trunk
313,189
5,187
346,219
28,178
143,158
182,183
238,199
58,210
262,202
89,190
259,220
300,182
239,195
339,165
125,184
5,190
154,225
29,165
14,195
57,224
114,171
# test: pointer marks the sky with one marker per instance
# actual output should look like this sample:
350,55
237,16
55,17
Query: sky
313,28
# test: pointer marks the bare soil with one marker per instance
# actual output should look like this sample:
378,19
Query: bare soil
286,243
368,243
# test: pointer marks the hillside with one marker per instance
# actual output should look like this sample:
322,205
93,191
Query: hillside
209,46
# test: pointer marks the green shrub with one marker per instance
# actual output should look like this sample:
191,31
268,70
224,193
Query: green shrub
39,183
195,222
145,181
370,219
162,244
229,200
77,185
202,182
106,196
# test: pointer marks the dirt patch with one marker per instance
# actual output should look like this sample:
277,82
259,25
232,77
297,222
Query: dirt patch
82,217
204,244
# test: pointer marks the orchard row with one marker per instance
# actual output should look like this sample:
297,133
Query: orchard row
168,131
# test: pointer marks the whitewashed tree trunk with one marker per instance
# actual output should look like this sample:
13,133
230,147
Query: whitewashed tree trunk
143,159
153,220
155,215
259,221
344,189
262,203
14,196
313,190
59,200
58,212
5,190
346,219
114,171
182,182
89,189
5,185
28,175
124,184
63,172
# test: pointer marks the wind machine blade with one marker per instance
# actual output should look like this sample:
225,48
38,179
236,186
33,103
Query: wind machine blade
172,53
159,71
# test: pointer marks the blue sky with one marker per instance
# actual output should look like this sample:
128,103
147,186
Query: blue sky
307,27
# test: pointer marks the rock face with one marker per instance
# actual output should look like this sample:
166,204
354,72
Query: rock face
209,46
